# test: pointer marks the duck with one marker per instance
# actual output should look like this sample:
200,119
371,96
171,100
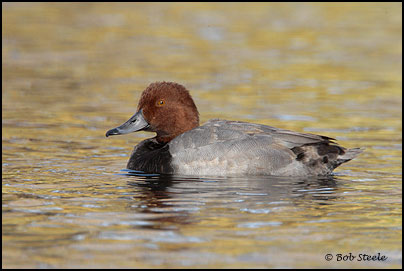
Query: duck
221,147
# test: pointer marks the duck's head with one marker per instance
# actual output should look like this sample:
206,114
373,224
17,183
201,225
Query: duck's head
166,108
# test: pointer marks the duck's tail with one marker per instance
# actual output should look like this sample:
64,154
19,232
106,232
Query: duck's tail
348,155
322,158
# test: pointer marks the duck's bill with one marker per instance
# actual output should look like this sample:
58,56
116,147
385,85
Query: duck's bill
136,123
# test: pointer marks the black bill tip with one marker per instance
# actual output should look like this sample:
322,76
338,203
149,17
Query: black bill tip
112,132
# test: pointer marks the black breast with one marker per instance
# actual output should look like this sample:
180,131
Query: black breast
151,156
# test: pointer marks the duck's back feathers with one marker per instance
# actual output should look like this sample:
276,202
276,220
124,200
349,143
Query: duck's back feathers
223,147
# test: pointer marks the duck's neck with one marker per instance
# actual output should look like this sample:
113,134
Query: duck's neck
165,137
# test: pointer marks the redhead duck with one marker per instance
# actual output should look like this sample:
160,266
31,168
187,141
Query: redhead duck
221,147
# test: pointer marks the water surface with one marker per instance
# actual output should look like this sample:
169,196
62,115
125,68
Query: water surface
73,71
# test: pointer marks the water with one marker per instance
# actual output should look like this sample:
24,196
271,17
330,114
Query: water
73,71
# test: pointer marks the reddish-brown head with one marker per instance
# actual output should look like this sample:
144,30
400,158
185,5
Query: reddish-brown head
169,109
165,108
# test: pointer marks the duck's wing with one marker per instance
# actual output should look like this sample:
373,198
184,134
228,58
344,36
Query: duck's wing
222,147
217,130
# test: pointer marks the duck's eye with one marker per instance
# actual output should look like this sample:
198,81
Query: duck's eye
160,102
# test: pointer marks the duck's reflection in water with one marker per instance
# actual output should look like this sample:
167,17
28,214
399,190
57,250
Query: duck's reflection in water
173,201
